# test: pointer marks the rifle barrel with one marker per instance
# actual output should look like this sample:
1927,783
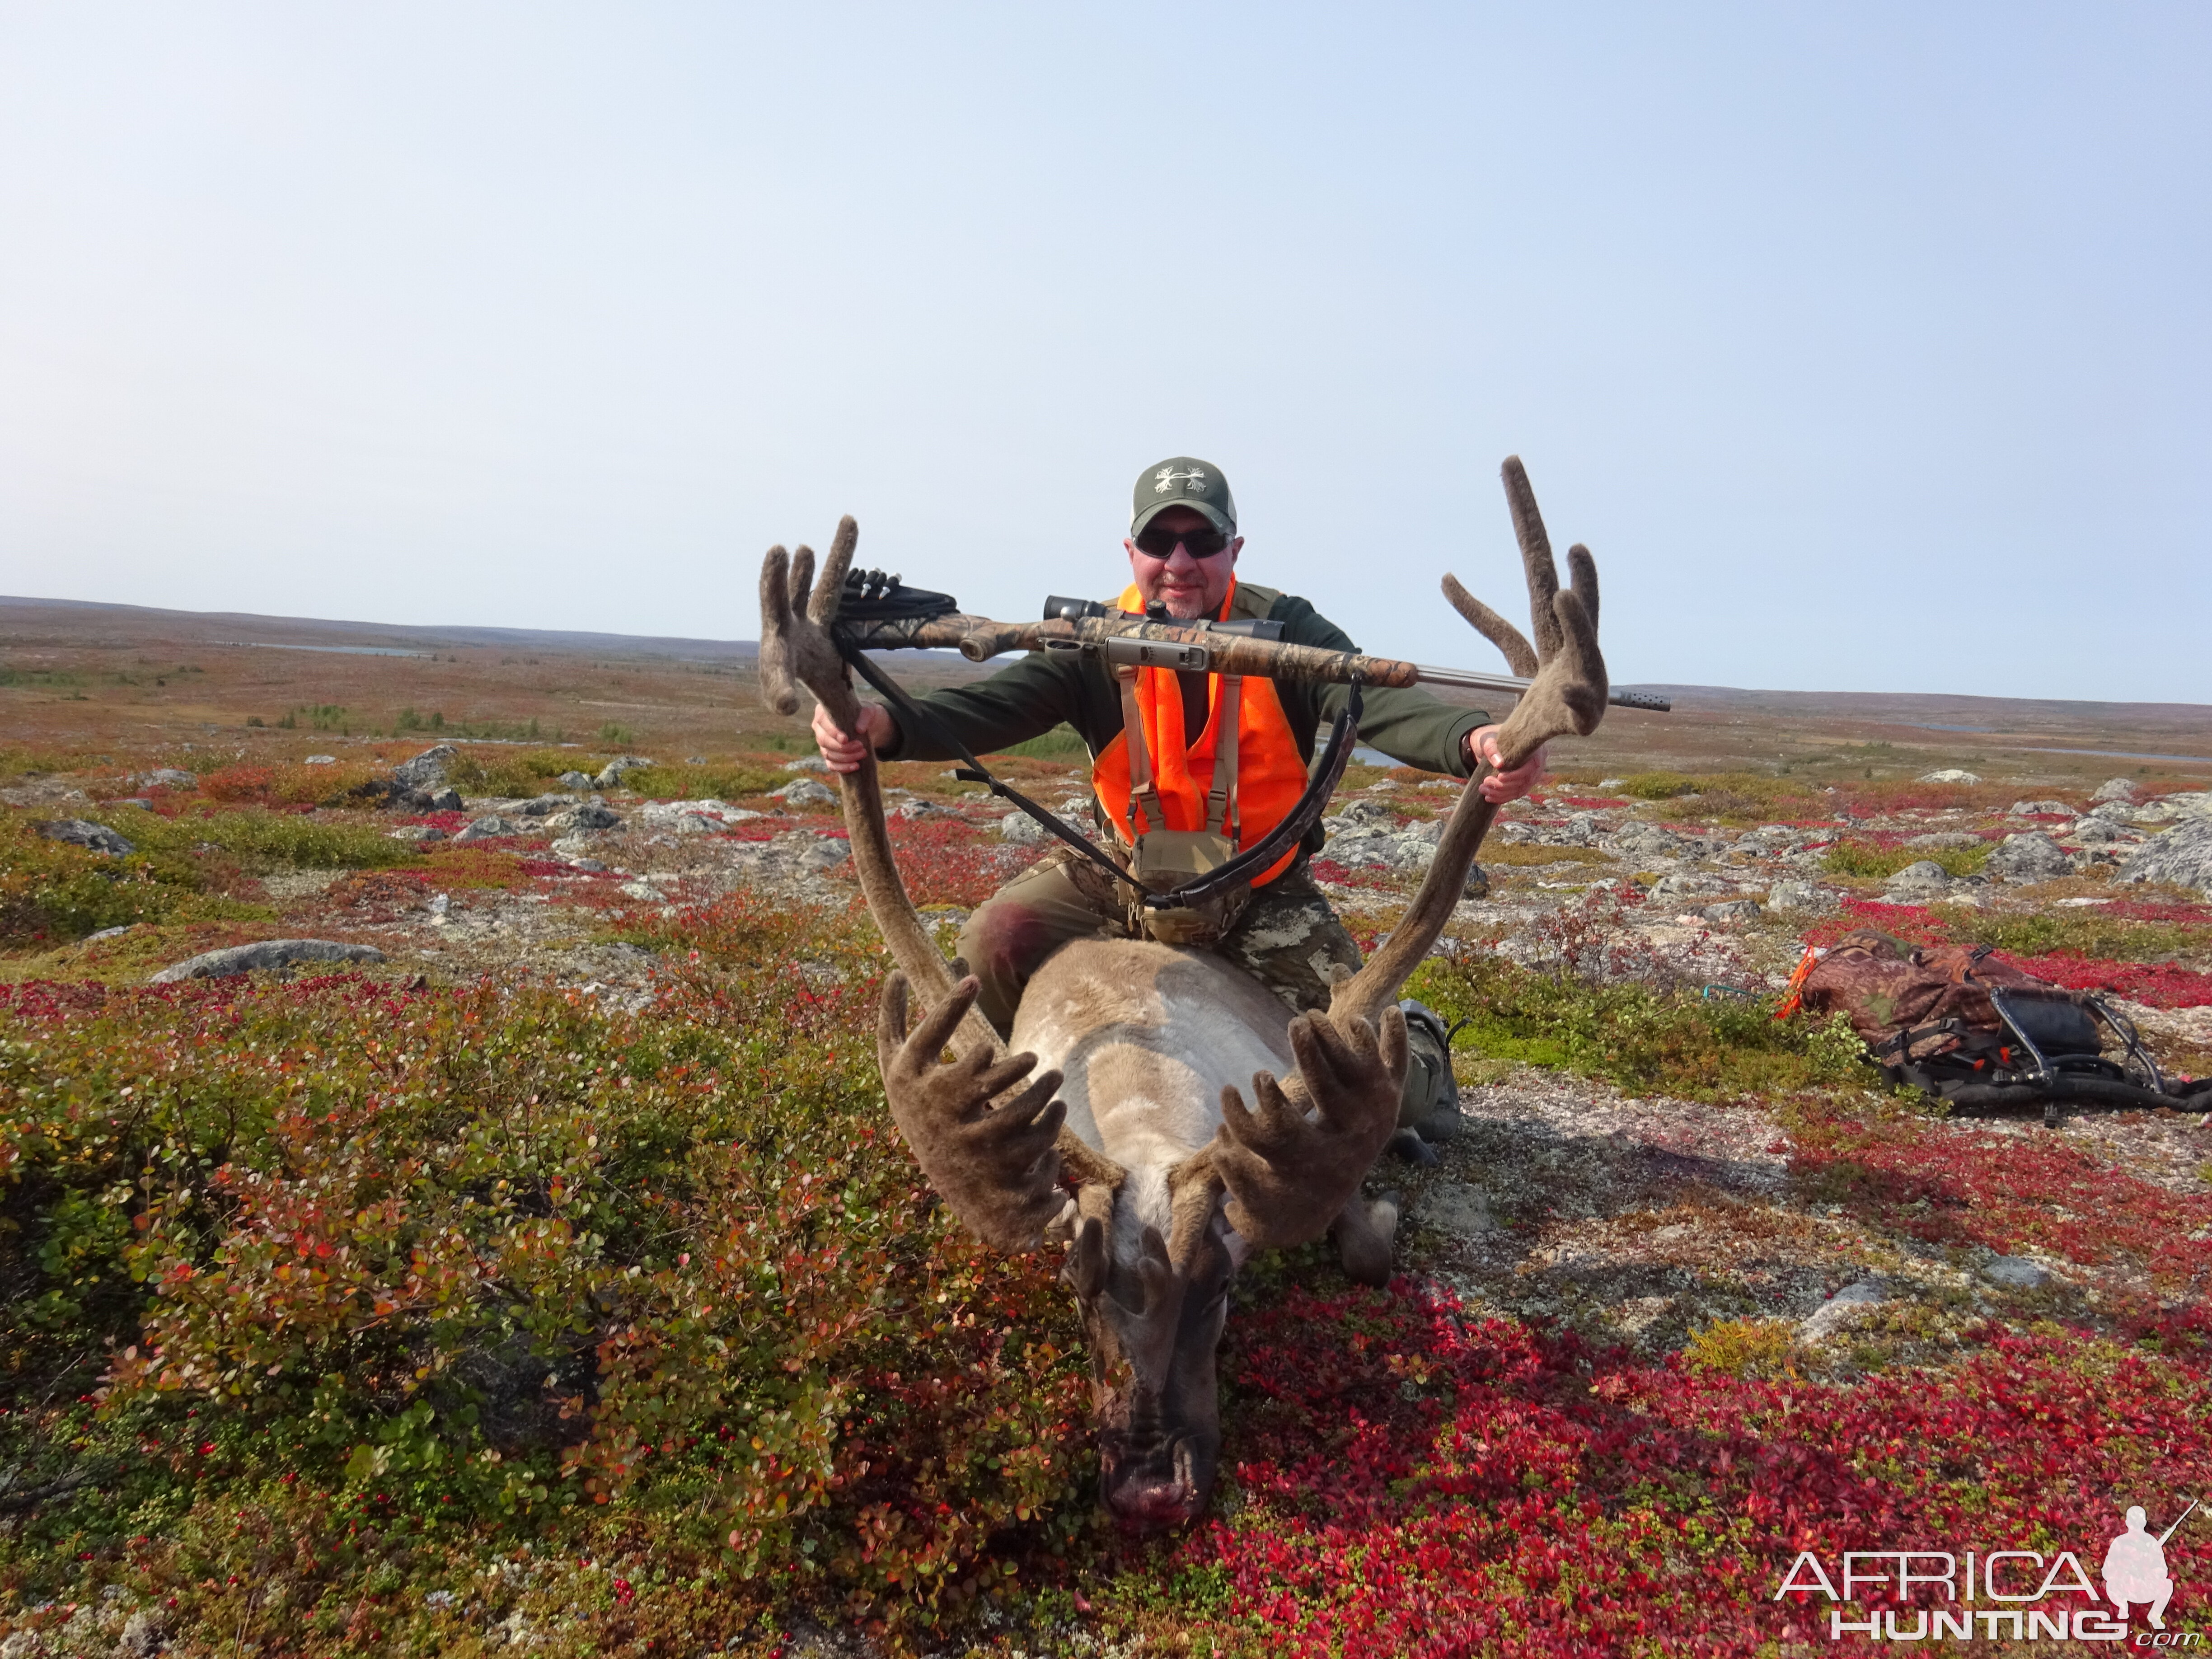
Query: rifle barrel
979,639
1474,679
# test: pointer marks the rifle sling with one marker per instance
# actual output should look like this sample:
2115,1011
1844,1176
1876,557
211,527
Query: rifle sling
1301,818
974,771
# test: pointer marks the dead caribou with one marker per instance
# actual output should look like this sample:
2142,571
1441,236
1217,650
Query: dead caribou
1117,1124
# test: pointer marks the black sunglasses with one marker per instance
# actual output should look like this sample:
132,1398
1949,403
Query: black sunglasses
1159,542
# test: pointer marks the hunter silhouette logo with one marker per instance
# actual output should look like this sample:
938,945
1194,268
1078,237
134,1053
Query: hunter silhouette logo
2028,1591
2135,1567
1164,480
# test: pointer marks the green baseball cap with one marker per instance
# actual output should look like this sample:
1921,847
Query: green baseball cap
1182,481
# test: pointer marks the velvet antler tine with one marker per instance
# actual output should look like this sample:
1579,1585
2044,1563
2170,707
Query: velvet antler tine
1582,576
1519,655
1566,694
778,688
1288,1174
1535,552
829,591
802,579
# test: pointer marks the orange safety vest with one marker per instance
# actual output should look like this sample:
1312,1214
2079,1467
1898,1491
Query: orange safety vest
1266,774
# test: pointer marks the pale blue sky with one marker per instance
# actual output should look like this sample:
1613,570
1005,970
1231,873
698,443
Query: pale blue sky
1867,345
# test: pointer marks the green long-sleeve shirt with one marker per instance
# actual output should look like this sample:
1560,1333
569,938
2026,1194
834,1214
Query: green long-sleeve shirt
1041,691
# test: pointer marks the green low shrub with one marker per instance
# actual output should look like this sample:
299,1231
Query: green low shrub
1061,742
733,781
2081,932
1644,1040
261,841
52,891
422,1282
1862,859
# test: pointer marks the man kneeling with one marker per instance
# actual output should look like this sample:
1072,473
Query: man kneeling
1199,755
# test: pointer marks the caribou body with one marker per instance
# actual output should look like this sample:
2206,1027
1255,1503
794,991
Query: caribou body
1117,1125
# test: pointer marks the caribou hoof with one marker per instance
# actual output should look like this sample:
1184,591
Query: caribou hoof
1413,1149
1364,1234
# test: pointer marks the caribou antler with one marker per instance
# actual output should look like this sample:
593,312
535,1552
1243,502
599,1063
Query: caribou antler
996,1168
1290,1166
1567,697
796,614
939,1111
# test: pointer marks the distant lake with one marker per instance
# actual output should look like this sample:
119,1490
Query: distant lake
342,650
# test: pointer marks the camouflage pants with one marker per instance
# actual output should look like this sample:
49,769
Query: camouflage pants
1288,939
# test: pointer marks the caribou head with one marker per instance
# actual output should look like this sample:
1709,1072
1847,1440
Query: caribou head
1118,1127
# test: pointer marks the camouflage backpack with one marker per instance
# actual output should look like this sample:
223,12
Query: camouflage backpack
1954,1021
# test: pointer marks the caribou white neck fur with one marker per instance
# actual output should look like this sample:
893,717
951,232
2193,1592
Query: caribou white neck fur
1146,1038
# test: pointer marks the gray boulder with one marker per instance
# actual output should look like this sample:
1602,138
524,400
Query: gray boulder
1673,890
1799,895
1945,841
2113,811
2120,789
585,815
489,827
2181,856
805,792
1649,841
808,763
426,772
166,777
83,832
415,832
542,806
1020,829
1842,1309
1927,873
447,800
1374,813
610,775
269,953
1948,775
2167,808
2030,855
576,781
2040,809
1732,910
2099,832
2014,1271
321,760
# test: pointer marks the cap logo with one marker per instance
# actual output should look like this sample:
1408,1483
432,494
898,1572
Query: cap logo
1164,480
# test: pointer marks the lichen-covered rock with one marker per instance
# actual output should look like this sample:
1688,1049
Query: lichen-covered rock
83,832
610,775
268,953
426,771
2031,855
585,815
1945,840
2121,789
1732,910
1925,874
1799,895
1948,775
2181,856
805,792
489,827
